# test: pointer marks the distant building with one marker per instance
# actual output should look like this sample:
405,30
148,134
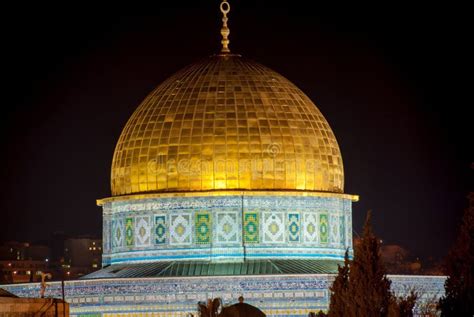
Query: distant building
56,244
21,271
73,257
14,250
22,262
82,256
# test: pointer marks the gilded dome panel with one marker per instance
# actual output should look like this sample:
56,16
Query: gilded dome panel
226,123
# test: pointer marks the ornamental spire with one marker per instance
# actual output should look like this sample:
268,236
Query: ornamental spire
225,8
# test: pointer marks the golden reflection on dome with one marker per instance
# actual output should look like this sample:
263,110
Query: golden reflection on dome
226,123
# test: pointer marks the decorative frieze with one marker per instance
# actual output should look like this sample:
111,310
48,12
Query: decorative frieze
183,228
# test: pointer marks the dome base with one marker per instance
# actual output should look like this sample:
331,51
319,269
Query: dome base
226,227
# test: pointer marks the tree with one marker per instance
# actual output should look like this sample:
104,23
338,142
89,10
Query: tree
339,290
402,306
361,287
369,288
429,307
459,286
215,308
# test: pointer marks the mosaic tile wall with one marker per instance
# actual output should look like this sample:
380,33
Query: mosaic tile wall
223,228
276,295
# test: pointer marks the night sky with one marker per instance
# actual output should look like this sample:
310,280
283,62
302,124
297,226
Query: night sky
389,79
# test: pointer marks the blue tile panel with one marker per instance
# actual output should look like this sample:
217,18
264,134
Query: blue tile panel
226,227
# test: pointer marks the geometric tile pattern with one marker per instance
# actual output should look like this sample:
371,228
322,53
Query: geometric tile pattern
160,229
227,227
323,228
203,227
193,228
180,228
270,226
197,227
273,227
293,227
251,227
310,228
334,229
348,236
142,231
129,231
117,233
342,237
106,235
151,296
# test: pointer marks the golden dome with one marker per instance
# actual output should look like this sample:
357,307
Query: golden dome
226,123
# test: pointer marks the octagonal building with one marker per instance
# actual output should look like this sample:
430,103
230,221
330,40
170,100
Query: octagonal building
226,161
226,181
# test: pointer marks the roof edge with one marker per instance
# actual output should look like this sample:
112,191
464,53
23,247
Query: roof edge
302,193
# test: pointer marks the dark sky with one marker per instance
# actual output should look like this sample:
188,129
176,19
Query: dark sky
389,79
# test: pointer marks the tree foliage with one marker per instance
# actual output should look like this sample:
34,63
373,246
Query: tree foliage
459,287
369,288
339,291
361,287
402,306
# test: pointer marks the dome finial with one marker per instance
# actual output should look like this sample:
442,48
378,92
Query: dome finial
225,8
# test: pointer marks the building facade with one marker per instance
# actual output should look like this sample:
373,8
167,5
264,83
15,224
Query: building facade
82,255
224,226
276,295
22,262
227,180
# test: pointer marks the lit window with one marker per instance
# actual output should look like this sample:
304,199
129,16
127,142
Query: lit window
28,272
90,248
94,265
93,248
